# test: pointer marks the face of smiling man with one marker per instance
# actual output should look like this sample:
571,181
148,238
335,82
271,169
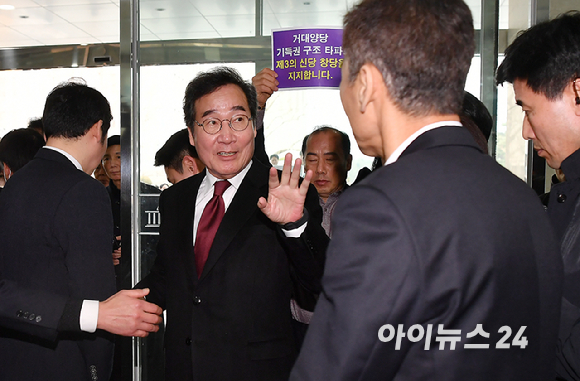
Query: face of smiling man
227,152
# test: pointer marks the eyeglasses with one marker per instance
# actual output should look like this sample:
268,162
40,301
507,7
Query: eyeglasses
214,125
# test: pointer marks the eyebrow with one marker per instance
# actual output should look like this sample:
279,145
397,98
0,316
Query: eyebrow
519,103
235,108
324,154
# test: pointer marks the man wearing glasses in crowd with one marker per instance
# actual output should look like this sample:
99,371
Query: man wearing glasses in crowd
232,240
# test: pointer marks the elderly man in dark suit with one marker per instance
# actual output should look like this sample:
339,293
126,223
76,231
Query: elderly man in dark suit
228,298
56,230
442,264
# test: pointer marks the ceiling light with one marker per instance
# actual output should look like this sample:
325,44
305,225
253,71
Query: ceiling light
23,17
307,3
160,9
6,7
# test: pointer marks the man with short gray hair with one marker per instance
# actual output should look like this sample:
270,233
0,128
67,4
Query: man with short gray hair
429,274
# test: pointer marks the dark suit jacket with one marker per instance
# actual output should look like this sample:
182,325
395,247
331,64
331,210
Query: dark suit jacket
444,235
234,323
53,312
56,230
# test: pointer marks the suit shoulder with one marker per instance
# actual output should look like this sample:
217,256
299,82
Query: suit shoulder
185,188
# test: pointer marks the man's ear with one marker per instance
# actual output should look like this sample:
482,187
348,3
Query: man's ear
7,171
576,91
190,134
189,164
348,162
96,131
366,79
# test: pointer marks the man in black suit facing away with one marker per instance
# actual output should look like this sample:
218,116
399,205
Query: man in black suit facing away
228,312
441,243
56,230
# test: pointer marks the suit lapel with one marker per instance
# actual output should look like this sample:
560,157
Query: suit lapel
242,208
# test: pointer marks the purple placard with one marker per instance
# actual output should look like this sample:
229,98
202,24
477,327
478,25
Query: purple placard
307,57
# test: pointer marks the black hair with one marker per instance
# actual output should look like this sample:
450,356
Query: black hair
71,109
18,147
174,150
114,140
207,82
474,109
36,124
546,56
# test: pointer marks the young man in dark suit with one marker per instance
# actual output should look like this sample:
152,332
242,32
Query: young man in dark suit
56,230
543,64
178,158
441,248
228,298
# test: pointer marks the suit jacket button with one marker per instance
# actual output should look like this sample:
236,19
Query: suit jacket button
561,198
31,317
188,341
196,300
19,313
38,319
25,315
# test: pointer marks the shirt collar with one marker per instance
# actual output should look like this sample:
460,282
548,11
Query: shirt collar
401,148
68,156
235,181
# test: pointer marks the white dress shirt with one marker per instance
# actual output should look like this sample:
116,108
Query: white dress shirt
205,194
401,148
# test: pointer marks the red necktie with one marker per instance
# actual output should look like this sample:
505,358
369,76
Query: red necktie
208,225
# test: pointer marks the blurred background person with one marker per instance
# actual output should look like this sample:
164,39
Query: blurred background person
178,158
101,175
17,148
36,125
326,151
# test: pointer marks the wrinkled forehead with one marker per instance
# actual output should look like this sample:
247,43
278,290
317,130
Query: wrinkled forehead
113,150
225,99
326,141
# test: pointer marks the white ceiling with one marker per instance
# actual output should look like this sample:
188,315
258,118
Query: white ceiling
61,22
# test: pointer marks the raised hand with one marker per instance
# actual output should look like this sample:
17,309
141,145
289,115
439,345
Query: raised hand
285,196
266,84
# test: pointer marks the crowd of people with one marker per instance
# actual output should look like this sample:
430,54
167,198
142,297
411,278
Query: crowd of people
436,264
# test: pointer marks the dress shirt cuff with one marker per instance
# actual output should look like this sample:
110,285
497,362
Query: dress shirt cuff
295,229
89,315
